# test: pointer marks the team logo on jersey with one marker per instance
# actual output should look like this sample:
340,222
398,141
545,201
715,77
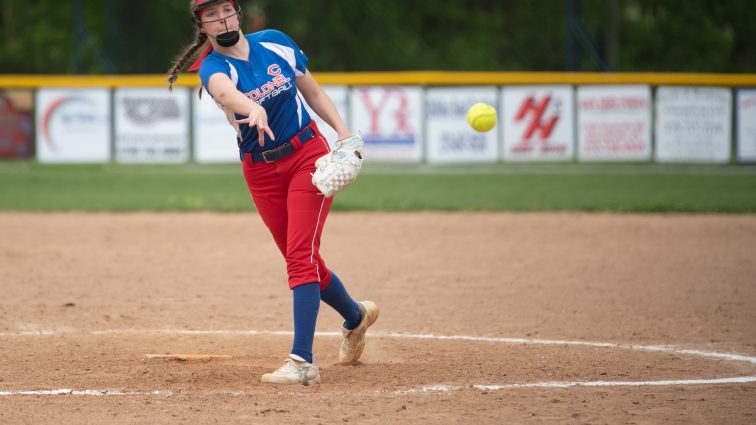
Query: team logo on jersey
277,85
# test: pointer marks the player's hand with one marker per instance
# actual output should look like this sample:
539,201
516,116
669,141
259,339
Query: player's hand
259,118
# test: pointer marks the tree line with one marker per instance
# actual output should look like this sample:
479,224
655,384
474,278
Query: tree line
139,37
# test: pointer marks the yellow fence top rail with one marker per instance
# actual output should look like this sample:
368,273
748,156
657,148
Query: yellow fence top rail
430,78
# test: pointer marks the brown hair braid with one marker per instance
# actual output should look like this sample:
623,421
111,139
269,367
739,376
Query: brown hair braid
200,39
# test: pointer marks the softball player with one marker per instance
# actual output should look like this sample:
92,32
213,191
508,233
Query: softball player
255,79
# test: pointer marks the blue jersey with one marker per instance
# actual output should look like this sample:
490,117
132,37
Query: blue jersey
268,78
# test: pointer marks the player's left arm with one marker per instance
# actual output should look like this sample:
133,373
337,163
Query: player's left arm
322,104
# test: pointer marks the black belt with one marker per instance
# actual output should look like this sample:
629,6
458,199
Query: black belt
285,149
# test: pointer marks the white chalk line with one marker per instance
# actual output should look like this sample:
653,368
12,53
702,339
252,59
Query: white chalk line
569,384
511,341
424,389
97,393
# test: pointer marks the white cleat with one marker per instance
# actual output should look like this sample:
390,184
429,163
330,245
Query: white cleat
295,370
354,340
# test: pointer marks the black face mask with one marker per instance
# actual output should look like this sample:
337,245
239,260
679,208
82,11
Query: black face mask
228,39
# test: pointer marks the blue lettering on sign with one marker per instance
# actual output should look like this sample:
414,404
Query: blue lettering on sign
389,140
448,108
463,142
78,118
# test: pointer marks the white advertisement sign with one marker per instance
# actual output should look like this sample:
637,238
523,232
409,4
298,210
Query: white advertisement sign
151,125
391,121
538,123
693,124
614,123
450,138
214,137
747,125
73,125
340,97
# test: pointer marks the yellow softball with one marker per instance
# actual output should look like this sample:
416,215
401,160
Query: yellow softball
481,117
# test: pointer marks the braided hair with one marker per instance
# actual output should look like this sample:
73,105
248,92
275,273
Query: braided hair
200,39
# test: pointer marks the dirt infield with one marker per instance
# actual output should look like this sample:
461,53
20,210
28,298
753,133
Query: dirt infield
485,318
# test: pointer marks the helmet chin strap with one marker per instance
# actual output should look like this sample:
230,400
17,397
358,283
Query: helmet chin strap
228,38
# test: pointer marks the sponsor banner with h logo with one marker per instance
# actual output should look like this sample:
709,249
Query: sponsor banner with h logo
151,125
391,122
450,138
538,123
73,125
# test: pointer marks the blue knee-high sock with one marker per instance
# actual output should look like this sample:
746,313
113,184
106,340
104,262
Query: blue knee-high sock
306,306
337,297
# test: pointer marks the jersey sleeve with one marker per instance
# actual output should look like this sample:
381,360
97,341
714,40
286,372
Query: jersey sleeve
210,66
285,47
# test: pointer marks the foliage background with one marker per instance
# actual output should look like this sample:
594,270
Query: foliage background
136,37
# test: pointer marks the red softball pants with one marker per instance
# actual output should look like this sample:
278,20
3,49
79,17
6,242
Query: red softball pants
292,207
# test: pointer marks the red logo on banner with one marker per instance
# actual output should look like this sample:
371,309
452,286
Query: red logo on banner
748,102
538,123
401,114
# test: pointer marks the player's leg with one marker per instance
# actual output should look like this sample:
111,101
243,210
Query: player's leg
303,255
358,317
336,296
268,187
268,190
300,368
307,212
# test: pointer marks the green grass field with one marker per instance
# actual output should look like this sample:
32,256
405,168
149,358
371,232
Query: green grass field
28,186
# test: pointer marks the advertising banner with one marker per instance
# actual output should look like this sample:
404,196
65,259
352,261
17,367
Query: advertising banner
340,97
614,123
693,124
538,123
214,137
449,137
73,125
391,121
16,123
747,125
151,125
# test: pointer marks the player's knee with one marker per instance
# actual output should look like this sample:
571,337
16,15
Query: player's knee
305,271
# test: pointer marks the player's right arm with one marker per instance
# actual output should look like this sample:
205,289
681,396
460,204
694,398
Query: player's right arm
230,98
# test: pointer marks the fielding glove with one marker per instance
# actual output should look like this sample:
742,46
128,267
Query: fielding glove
340,167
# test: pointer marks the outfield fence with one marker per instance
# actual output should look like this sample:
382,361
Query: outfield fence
405,117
